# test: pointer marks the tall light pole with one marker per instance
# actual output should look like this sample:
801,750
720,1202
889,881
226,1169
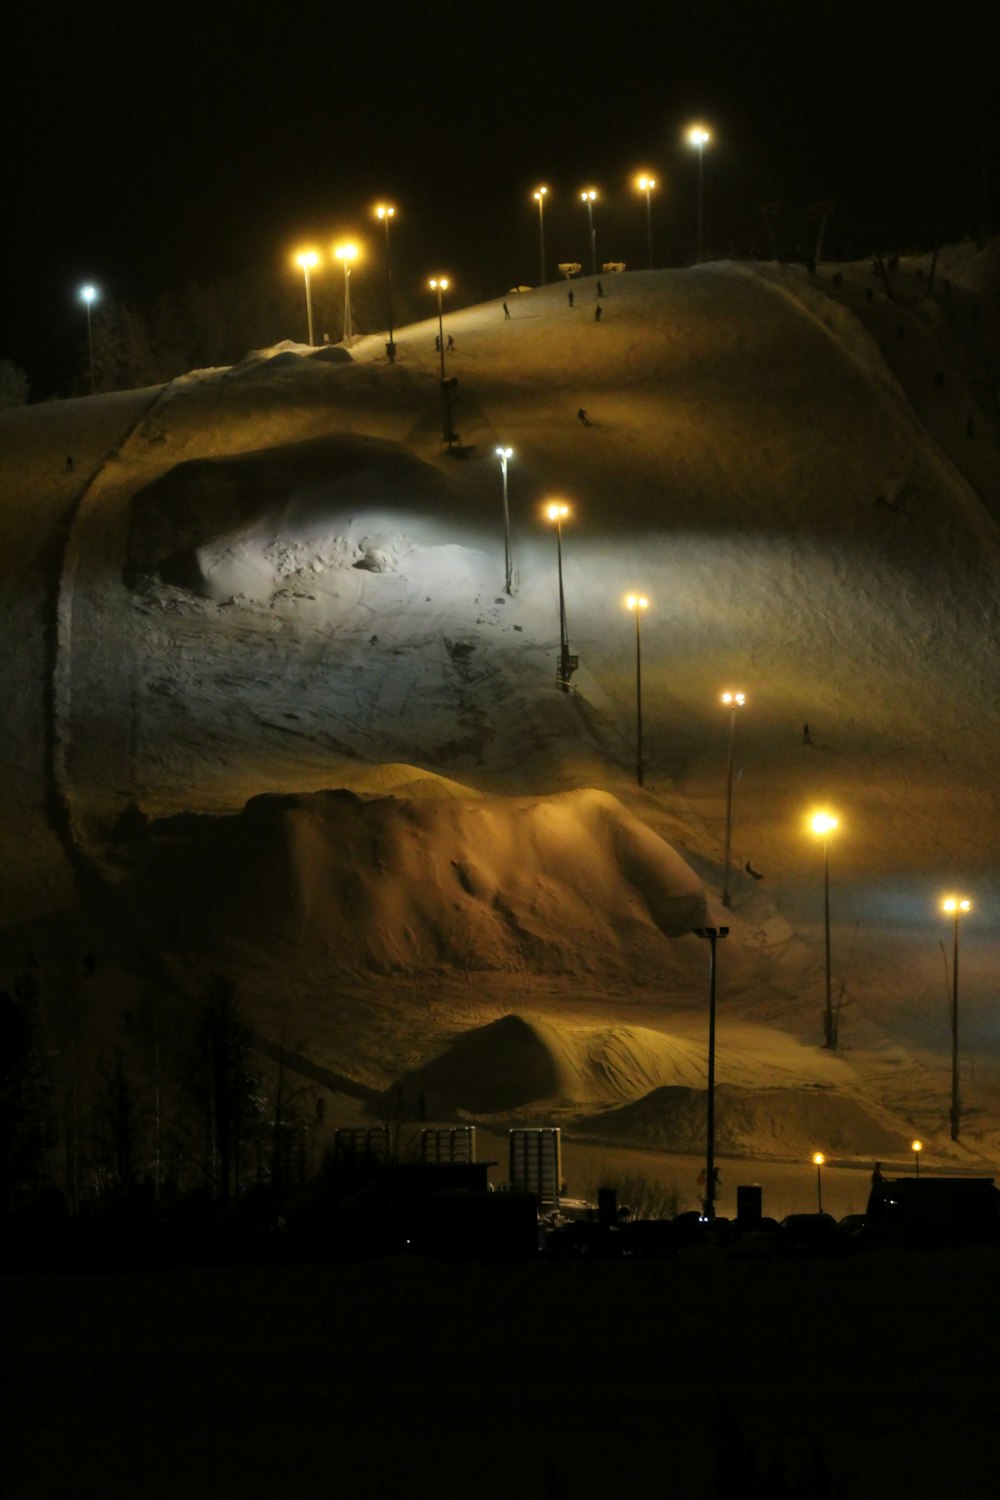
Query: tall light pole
956,908
539,196
713,934
308,259
823,824
734,702
589,196
556,512
386,212
89,295
637,603
818,1160
503,454
347,254
646,184
440,284
916,1147
699,137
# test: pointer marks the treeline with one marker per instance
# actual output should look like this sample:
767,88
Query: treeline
217,323
171,1108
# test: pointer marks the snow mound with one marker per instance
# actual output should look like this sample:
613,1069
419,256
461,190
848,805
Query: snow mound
234,527
768,1122
570,883
518,1061
400,780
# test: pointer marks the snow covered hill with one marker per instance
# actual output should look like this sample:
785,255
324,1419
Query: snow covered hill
275,581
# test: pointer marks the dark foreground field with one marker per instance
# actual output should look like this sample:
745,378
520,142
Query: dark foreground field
696,1376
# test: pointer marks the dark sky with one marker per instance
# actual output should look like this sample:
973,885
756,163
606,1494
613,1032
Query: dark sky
149,144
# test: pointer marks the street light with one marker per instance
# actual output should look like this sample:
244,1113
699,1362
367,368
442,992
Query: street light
503,454
307,259
347,255
699,137
386,213
440,285
88,295
734,702
637,603
823,824
713,934
646,185
588,196
916,1147
818,1160
539,197
955,907
556,512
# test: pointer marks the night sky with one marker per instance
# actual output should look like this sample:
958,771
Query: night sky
151,144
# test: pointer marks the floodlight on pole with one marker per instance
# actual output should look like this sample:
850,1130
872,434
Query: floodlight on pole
440,284
818,1160
734,702
646,184
637,603
955,907
503,454
539,196
386,213
347,254
589,197
88,296
556,512
822,824
308,260
916,1147
699,136
713,935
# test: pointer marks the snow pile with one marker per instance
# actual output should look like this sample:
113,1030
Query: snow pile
235,527
762,1121
520,1061
570,884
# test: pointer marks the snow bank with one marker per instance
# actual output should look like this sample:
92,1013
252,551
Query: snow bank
570,884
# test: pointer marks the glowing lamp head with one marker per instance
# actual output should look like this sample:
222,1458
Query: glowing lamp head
307,259
438,283
347,253
698,135
956,906
505,453
556,510
636,601
916,1146
823,823
384,211
644,183
818,1158
539,194
734,700
588,195
88,294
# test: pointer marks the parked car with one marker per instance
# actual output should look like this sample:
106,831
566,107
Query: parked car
810,1234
